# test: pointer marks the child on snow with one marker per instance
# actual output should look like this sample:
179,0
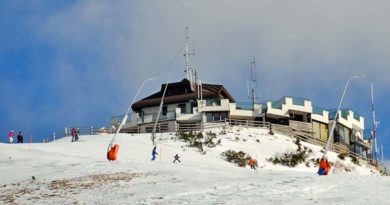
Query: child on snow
252,163
154,153
176,158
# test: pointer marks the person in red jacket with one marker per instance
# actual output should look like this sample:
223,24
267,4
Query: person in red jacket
252,163
74,134
11,136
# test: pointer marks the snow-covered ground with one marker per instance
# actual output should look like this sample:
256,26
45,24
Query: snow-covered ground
78,173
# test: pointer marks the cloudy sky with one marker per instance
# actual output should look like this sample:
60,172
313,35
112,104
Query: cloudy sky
80,62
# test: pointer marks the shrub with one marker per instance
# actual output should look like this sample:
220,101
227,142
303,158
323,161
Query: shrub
342,155
355,160
384,172
292,159
195,139
218,142
186,136
240,158
209,139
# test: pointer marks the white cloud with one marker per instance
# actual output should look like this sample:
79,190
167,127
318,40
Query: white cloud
306,48
296,43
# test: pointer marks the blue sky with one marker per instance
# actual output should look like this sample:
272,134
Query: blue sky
81,62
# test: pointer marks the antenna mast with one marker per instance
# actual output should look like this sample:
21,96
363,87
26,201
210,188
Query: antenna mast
253,82
374,124
190,73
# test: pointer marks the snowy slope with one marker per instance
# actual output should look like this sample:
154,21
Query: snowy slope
78,173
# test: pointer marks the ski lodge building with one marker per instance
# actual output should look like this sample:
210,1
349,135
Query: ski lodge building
195,106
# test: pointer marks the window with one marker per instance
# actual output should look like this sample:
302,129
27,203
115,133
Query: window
213,102
209,117
216,116
223,115
193,104
142,116
342,134
183,108
164,110
316,130
296,117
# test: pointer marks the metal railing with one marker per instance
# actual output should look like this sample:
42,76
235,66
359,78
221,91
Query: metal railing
88,130
309,138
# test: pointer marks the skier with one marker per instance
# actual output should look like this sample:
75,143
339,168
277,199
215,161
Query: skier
154,153
11,136
176,158
252,163
324,166
74,134
20,137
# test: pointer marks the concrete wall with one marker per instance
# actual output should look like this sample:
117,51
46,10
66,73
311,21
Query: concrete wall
244,114
324,118
202,107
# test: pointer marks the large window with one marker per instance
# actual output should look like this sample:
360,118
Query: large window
324,131
316,130
216,116
342,134
320,130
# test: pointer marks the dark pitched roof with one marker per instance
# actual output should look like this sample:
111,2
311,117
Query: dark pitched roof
181,92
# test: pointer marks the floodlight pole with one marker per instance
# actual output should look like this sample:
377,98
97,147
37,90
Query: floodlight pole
337,113
162,98
124,119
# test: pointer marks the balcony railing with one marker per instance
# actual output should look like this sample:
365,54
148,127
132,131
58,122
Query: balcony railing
298,101
344,114
244,105
277,104
356,116
318,110
153,117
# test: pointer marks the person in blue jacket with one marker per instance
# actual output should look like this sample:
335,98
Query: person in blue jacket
154,153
